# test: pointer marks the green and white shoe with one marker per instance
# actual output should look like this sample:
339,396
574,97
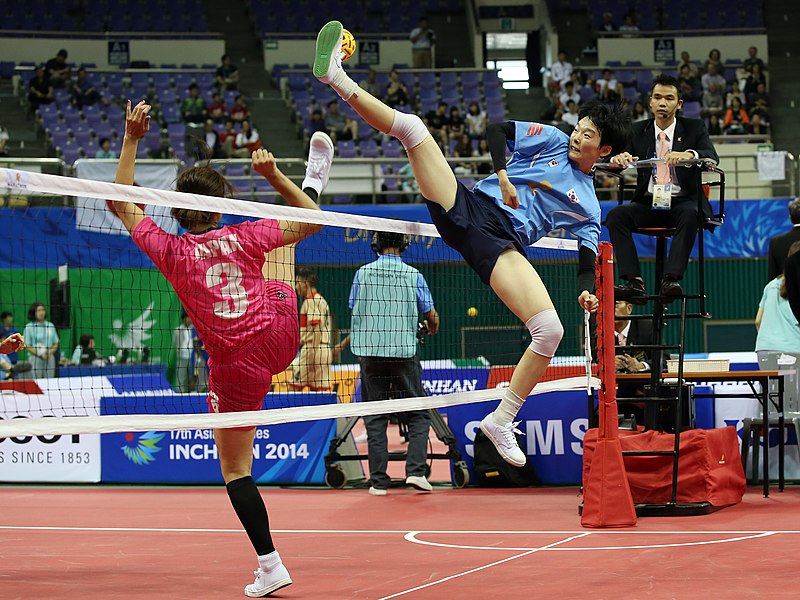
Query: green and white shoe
328,59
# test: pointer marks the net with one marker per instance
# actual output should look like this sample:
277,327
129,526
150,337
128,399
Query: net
146,371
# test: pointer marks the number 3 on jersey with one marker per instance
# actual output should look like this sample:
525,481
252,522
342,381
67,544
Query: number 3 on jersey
234,296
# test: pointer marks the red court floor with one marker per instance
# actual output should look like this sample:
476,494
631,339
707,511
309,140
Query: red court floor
105,542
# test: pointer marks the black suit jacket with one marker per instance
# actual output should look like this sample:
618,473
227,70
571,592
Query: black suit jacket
690,134
778,249
792,275
641,332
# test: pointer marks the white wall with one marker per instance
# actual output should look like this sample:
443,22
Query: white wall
156,51
641,49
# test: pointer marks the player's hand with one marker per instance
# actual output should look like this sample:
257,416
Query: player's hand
509,193
588,302
12,343
137,121
673,158
624,159
264,163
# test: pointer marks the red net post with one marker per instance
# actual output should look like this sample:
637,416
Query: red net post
607,500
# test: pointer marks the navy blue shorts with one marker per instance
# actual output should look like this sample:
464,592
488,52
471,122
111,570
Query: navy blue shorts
477,228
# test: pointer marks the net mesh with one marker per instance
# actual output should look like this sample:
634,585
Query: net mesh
145,369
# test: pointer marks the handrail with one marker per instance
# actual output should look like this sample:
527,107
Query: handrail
679,32
125,35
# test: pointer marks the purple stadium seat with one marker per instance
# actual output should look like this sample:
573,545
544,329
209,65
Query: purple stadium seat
691,110
368,148
392,148
346,148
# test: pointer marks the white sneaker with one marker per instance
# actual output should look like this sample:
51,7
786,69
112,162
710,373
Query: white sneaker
503,438
373,491
419,482
320,157
328,57
268,582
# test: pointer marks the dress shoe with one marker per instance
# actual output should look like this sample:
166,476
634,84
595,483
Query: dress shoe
671,288
631,291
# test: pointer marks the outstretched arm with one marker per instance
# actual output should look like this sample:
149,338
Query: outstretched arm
264,163
137,123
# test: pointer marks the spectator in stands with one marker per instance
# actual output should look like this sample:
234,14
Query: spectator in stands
757,125
217,110
41,341
713,102
84,92
607,87
735,92
674,139
629,24
686,60
164,151
569,93
608,22
193,107
758,101
40,90
57,70
317,122
570,116
371,84
690,85
105,150
464,149
339,127
396,90
227,139
714,58
436,120
312,367
4,137
423,38
227,75
753,59
476,121
736,119
85,352
184,346
455,124
714,125
484,168
211,141
247,141
712,76
239,112
756,76
780,244
639,112
560,74
7,329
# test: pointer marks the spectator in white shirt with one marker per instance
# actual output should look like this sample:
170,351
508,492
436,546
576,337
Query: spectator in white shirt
560,72
568,94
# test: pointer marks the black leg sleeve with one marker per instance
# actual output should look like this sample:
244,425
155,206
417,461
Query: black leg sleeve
252,512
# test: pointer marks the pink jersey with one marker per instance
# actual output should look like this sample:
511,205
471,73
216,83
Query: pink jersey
217,276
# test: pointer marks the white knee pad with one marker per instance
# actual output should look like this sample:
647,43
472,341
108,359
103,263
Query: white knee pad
409,129
546,332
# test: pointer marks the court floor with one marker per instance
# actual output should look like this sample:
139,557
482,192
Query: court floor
115,542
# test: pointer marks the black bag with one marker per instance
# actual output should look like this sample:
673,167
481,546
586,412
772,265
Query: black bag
493,471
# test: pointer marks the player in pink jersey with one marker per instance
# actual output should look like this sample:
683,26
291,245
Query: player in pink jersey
236,284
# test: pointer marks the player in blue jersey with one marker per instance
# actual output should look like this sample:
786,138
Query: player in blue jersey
545,185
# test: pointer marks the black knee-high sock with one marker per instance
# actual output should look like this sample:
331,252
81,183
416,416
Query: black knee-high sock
252,512
311,193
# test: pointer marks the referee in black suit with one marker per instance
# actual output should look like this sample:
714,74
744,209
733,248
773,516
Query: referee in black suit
685,139
779,245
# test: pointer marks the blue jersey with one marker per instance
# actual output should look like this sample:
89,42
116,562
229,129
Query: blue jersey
552,193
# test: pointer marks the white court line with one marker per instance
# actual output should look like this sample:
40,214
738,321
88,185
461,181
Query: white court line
411,537
405,531
476,569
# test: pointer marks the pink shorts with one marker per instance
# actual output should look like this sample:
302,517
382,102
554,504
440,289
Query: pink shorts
240,380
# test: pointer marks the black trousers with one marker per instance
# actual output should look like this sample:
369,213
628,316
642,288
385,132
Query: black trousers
623,219
382,379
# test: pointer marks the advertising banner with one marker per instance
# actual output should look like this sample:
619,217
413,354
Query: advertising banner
289,453
51,458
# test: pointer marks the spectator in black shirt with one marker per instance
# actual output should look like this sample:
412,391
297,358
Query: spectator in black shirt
57,69
40,90
227,74
436,120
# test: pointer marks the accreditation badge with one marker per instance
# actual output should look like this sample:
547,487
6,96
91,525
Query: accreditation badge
662,196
